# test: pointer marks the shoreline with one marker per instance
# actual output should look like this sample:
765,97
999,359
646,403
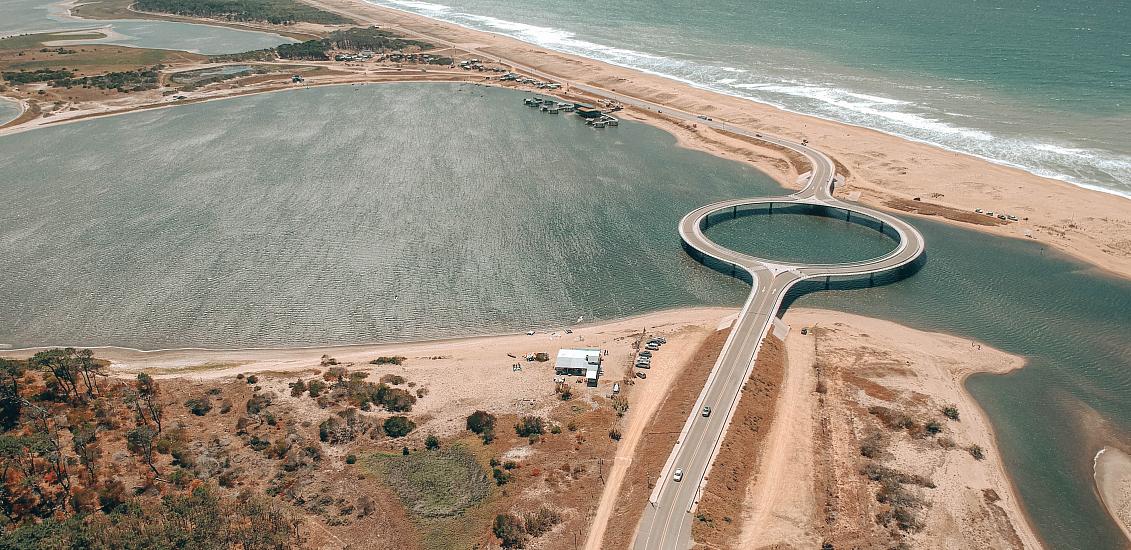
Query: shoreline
125,352
707,88
817,439
1111,472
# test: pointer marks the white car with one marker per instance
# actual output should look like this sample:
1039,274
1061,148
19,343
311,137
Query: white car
678,476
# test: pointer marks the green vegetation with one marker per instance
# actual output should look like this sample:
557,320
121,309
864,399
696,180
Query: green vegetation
398,426
351,387
529,426
38,75
436,484
198,406
951,412
355,39
431,442
388,360
199,519
482,423
64,482
279,12
977,452
512,531
36,40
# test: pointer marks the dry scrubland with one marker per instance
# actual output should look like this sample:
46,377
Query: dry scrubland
871,443
369,447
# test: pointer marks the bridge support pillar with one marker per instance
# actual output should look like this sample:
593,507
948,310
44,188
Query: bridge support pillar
771,208
881,226
827,281
871,279
848,216
734,212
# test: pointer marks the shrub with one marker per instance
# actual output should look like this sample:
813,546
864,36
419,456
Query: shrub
398,426
934,427
620,404
540,521
510,530
872,445
198,406
529,426
351,458
555,429
393,379
253,379
976,452
951,412
315,387
328,361
225,406
298,388
257,403
482,423
388,360
614,433
337,375
431,442
501,477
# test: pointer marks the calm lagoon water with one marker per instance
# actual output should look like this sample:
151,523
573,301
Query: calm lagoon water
33,16
408,211
9,110
801,234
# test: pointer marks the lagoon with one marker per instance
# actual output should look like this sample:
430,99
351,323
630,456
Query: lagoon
36,16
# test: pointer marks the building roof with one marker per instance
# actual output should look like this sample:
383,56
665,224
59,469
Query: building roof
578,358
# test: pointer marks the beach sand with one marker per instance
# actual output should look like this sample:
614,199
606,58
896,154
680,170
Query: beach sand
809,490
886,170
1113,482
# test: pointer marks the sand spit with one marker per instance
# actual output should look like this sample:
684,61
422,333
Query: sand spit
1113,482
842,378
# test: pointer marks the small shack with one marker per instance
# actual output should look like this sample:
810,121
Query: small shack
586,110
579,362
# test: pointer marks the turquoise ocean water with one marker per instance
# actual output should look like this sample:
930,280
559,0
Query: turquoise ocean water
1045,86
407,211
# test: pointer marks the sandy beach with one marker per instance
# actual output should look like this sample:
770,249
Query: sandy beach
1113,483
810,489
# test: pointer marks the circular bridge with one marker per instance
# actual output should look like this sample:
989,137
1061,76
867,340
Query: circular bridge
667,522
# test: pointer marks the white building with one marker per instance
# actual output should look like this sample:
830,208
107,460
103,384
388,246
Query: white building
579,362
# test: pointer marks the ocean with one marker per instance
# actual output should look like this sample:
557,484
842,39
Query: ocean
1044,86
396,212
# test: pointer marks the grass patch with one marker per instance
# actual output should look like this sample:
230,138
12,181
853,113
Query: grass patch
436,484
36,40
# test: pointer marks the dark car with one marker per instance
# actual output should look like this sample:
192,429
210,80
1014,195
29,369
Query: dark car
641,375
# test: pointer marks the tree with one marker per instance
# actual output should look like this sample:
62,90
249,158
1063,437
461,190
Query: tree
141,442
620,404
145,402
10,404
951,412
509,530
90,370
198,406
398,426
61,364
480,422
85,444
432,442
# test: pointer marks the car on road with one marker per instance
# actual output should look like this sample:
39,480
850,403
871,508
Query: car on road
641,375
706,411
678,475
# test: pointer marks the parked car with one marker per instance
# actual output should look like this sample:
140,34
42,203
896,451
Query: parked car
641,375
652,346
678,476
645,353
